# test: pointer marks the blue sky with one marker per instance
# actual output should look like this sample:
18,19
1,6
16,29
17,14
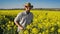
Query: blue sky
8,4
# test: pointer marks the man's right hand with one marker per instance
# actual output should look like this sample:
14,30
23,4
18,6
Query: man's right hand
20,27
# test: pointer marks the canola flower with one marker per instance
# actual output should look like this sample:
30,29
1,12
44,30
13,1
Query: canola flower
44,22
35,30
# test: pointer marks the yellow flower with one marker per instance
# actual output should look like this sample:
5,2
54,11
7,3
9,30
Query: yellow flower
43,32
26,32
35,30
58,30
40,26
28,27
52,29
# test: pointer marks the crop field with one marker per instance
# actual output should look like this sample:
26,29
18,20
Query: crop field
44,22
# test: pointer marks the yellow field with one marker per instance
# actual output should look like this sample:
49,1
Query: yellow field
44,22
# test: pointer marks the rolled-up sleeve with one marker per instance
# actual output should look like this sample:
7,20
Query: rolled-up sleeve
18,18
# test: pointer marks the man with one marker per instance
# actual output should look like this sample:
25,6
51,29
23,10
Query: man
24,18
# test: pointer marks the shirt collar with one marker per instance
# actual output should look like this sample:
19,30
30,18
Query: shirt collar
26,13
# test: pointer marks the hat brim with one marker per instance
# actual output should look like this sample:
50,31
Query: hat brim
29,6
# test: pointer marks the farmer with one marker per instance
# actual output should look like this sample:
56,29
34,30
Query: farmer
24,18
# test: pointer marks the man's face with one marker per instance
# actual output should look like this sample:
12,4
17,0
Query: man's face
27,8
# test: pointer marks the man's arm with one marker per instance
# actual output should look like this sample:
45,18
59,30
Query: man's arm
19,25
17,19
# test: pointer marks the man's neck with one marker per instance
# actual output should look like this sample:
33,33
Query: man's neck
27,12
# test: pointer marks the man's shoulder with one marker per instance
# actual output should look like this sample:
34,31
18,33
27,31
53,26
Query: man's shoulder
21,13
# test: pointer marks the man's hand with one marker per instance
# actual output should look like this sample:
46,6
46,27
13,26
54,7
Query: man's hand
21,27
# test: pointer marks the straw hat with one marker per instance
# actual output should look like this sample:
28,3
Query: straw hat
28,5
